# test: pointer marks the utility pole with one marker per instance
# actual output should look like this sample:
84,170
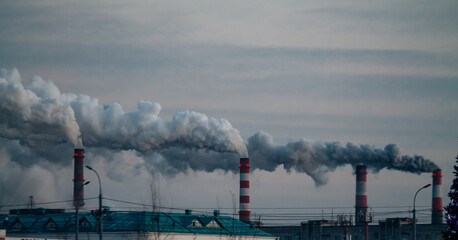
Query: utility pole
414,220
100,203
31,203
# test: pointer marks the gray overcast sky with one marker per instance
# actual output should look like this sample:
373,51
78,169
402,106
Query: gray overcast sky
351,71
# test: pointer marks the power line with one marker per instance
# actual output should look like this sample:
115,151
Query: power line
42,203
279,215
319,208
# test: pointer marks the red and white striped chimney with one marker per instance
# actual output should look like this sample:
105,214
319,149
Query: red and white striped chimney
436,217
78,179
361,196
244,212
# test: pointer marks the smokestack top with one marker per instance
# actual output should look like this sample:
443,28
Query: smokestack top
79,152
361,173
244,162
361,168
437,177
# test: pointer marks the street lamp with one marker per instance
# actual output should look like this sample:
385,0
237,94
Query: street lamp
414,222
100,204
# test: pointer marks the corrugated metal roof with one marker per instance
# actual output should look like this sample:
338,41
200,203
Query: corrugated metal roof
143,221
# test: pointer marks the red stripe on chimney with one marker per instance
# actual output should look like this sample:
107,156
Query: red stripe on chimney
245,184
244,213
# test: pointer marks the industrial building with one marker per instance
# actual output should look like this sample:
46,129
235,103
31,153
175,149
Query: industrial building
389,229
360,229
56,224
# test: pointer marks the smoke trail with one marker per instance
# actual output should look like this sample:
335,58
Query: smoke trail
39,114
317,159
38,117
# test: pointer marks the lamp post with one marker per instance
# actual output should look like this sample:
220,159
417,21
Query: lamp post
414,222
100,204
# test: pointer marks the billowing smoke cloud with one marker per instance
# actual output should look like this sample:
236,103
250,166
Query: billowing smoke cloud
42,120
35,113
39,114
317,159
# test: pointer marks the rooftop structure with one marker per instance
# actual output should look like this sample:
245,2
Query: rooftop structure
56,225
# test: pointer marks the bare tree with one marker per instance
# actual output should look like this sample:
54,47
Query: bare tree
157,233
142,232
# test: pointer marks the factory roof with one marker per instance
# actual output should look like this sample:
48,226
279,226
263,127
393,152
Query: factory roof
127,221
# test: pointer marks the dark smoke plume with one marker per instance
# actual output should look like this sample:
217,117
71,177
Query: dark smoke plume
305,156
317,159
43,121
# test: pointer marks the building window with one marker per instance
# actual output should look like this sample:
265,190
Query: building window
196,223
85,224
51,226
213,224
17,226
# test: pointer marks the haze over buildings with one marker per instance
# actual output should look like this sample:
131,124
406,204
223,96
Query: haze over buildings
275,77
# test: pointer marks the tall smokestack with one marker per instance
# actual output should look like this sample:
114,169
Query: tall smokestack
244,212
78,179
436,217
361,197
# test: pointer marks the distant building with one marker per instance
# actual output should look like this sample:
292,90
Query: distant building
57,224
389,229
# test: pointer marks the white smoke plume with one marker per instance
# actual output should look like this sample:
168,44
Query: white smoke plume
35,113
39,114
39,125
